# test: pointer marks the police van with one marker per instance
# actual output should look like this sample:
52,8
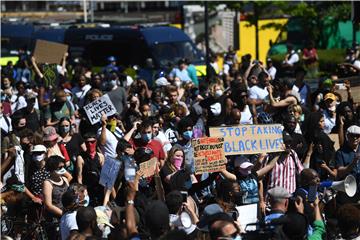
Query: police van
133,45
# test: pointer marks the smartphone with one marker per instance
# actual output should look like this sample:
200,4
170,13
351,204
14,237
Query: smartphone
184,196
312,194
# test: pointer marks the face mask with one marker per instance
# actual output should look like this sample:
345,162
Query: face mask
64,129
177,161
113,83
238,237
18,187
112,124
244,172
188,135
178,83
91,146
146,137
218,93
188,184
61,171
38,157
86,200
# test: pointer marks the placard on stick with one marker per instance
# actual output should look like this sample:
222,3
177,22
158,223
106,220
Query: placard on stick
209,154
250,139
95,109
148,167
49,52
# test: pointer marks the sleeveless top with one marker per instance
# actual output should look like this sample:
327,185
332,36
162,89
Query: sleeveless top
57,192
91,169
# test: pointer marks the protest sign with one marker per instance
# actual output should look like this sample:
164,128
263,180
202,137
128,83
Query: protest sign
95,109
247,215
49,52
250,139
148,168
50,75
109,172
209,154
335,138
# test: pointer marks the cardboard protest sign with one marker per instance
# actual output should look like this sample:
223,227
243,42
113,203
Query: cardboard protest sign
49,52
209,154
335,138
250,139
148,167
109,172
95,109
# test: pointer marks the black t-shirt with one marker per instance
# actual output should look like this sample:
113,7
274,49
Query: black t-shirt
216,110
73,147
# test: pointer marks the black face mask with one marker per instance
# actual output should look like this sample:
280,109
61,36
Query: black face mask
25,147
238,198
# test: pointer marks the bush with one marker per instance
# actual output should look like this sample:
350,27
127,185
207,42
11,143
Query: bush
328,59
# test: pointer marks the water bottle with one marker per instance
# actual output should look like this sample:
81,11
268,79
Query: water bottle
130,168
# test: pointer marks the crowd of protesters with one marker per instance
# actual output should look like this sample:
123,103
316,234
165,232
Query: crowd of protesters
52,156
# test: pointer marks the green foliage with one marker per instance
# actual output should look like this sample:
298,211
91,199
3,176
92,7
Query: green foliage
328,59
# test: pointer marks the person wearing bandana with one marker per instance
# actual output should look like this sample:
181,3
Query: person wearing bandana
88,168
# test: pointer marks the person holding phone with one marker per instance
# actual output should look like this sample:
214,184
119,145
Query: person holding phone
307,191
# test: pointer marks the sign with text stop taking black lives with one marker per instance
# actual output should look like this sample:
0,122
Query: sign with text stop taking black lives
250,139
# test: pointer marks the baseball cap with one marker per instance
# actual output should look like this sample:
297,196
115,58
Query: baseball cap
279,192
353,130
161,81
209,210
330,96
102,218
38,148
242,162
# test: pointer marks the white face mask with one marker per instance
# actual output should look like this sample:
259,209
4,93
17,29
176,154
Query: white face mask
38,157
218,93
178,83
61,171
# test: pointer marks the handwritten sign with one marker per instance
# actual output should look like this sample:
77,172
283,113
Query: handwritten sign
209,154
148,168
250,139
95,109
50,75
109,172
49,52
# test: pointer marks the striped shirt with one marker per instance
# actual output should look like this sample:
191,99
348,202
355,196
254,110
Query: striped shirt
284,172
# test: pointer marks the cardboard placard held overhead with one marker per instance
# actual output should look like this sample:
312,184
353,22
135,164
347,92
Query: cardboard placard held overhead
49,52
250,139
95,109
209,154
148,167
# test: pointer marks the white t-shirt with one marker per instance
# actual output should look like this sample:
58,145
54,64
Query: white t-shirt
110,145
272,72
329,122
6,126
255,92
164,141
67,224
293,59
80,93
356,63
246,116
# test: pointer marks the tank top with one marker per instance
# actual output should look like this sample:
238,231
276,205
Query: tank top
57,193
91,169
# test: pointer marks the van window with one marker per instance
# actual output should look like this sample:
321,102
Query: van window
172,52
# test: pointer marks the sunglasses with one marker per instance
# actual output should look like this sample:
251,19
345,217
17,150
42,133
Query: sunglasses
92,141
354,135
